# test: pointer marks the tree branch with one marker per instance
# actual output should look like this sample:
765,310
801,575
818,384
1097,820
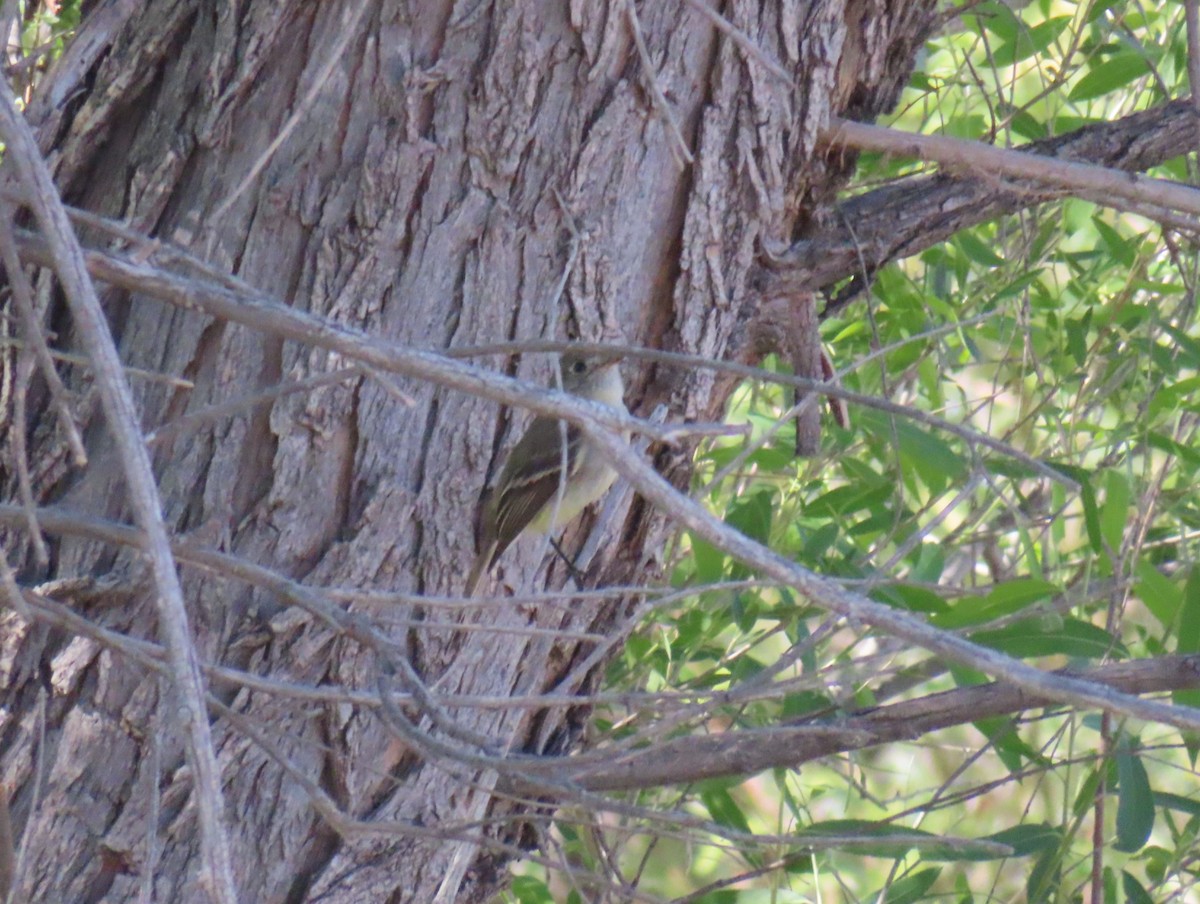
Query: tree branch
908,216
732,753
21,153
602,424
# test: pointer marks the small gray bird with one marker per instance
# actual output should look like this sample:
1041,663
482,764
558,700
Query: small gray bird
527,493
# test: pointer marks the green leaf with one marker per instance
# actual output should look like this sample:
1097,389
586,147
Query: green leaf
930,563
1115,512
1109,883
1118,70
1177,802
1013,751
817,543
1029,41
804,703
1028,839
1188,347
1077,340
1121,248
710,561
530,890
847,500
1091,517
1042,637
999,20
921,449
752,515
723,809
1135,802
967,610
914,599
1027,126
911,888
1134,892
1085,797
1158,593
864,829
1189,617
1003,599
1045,878
976,250
1012,596
1174,396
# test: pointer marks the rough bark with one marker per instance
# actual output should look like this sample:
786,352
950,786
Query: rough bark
442,167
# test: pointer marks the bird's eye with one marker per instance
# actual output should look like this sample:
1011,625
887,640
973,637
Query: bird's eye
579,366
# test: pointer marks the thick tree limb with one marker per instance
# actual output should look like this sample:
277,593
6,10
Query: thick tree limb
976,159
913,214
732,753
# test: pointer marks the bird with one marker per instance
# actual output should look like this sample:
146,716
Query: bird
527,494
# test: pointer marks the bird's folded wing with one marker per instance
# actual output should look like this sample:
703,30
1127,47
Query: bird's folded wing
540,453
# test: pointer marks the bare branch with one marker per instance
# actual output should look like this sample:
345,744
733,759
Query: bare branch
604,424
334,55
25,363
678,760
912,214
833,597
975,157
745,752
23,297
682,153
22,153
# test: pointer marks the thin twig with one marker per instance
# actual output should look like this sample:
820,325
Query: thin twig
82,361
634,764
683,154
833,597
20,454
263,313
336,55
210,413
12,591
967,433
741,39
23,297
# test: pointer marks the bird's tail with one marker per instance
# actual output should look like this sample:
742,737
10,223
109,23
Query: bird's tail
483,562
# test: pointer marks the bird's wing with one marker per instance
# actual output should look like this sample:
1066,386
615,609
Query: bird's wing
541,451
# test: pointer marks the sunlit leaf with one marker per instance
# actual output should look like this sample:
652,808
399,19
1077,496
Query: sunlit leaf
1109,75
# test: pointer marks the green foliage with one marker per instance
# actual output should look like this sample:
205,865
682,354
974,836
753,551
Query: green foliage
1067,333
45,27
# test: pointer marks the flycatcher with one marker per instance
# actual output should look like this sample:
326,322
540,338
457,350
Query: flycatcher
528,495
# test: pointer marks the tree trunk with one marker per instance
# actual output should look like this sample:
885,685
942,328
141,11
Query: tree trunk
440,170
